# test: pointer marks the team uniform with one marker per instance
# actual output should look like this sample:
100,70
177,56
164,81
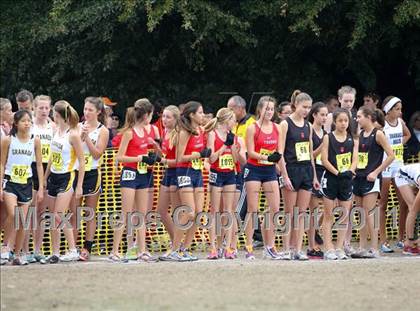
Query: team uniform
169,178
45,134
297,155
370,158
150,148
408,175
92,183
319,168
222,171
394,135
264,144
63,159
240,129
134,174
18,172
189,173
340,155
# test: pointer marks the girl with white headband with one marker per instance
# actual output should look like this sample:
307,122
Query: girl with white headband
397,135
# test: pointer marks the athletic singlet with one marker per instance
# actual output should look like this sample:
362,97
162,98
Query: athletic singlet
137,146
63,156
19,159
225,161
316,142
394,135
296,150
45,134
340,154
168,152
195,143
265,144
412,173
90,162
370,154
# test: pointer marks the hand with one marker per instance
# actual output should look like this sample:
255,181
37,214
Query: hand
274,157
205,153
155,157
84,133
79,192
372,176
40,196
316,184
148,160
288,183
229,139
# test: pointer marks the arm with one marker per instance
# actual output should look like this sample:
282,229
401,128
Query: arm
406,133
250,147
282,163
39,169
5,143
383,142
210,144
98,150
324,156
328,123
355,158
239,151
76,142
315,179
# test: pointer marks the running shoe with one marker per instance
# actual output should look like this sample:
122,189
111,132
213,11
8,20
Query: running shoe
411,251
173,256
213,254
3,261
258,244
314,254
220,253
341,255
20,261
70,256
229,254
270,253
287,255
400,244
349,250
373,253
386,248
30,258
249,252
188,256
132,253
53,259
40,257
301,256
115,258
330,255
360,254
5,256
147,257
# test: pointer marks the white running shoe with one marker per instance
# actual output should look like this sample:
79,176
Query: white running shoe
341,255
330,255
70,256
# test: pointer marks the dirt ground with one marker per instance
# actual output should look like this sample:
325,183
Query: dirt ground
389,283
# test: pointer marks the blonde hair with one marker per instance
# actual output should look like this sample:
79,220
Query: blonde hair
346,89
297,97
262,101
4,102
174,132
223,115
41,98
67,112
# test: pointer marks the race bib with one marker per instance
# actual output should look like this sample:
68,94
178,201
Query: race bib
399,152
226,162
212,177
265,152
88,161
45,152
343,161
184,181
20,174
302,151
197,164
57,161
128,175
363,160
318,160
142,168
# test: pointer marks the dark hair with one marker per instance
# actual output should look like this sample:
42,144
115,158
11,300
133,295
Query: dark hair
282,105
24,95
386,100
99,105
330,98
368,112
346,112
185,121
16,118
314,110
380,117
160,104
375,97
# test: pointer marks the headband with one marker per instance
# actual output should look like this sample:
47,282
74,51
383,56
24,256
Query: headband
389,105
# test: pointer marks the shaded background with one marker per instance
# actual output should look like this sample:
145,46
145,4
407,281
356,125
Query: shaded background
208,49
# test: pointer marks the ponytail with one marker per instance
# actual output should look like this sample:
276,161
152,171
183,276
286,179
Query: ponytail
185,121
67,112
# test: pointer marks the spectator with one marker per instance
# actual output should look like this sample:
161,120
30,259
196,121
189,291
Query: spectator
284,110
244,119
24,100
108,117
6,116
413,144
332,103
158,106
371,100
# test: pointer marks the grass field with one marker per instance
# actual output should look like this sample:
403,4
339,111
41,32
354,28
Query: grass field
388,283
